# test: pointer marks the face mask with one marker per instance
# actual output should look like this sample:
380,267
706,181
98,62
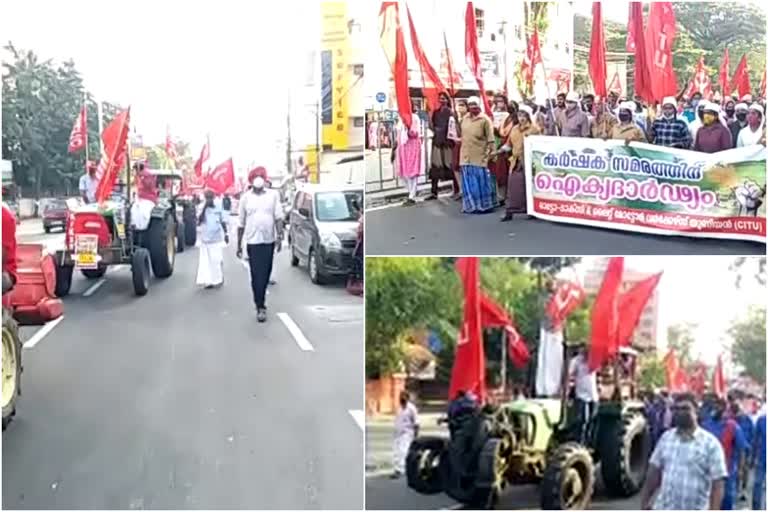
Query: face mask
625,118
668,114
709,119
741,116
729,112
682,420
258,183
694,103
474,110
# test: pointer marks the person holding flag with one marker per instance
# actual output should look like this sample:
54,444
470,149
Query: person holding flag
734,446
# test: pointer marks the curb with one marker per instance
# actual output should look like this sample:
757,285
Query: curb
397,195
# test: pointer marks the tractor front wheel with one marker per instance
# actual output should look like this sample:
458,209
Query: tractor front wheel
161,242
12,368
189,219
422,465
569,479
625,449
140,271
63,280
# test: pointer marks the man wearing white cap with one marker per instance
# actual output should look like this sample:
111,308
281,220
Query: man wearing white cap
754,132
668,130
573,122
740,120
477,144
713,136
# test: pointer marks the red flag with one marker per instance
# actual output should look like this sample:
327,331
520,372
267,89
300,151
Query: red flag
492,314
741,78
79,136
660,36
697,381
517,349
718,378
725,84
642,73
689,90
701,82
221,178
631,306
677,380
170,147
632,28
205,153
567,297
472,54
597,66
432,80
761,90
393,44
468,373
115,140
532,57
605,315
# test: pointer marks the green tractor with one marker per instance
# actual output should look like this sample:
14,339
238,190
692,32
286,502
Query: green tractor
538,441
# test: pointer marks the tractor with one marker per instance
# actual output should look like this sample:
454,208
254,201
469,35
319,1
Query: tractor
140,232
538,441
170,187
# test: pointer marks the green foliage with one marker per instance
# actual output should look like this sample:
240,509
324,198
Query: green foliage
651,372
680,338
749,267
749,343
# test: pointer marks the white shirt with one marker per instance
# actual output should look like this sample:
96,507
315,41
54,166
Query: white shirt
407,419
257,216
585,380
749,138
688,468
88,187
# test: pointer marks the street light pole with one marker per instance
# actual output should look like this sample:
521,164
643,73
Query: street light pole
318,120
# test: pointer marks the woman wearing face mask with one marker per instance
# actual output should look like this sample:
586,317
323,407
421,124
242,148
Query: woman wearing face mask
754,132
213,238
627,130
713,136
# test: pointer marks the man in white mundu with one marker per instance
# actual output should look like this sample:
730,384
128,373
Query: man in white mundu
406,430
549,366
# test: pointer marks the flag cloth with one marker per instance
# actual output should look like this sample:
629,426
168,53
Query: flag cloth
631,306
677,381
659,38
432,79
494,315
605,315
205,153
642,72
701,82
517,349
468,372
78,138
532,58
697,382
718,378
472,54
567,297
221,178
115,142
722,79
761,89
631,27
170,146
393,44
597,67
741,78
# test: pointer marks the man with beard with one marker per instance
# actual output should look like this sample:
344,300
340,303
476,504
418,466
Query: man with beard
572,122
668,130
740,111
687,466
442,122
713,136
734,448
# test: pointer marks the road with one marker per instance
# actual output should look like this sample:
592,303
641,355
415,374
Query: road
438,228
180,399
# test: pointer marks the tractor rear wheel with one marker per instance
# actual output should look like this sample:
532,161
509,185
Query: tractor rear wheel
12,368
161,242
569,479
189,219
625,448
63,280
140,271
423,464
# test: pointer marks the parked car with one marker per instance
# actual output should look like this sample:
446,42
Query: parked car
323,231
55,213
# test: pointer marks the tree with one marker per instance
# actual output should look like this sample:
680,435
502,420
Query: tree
749,341
753,267
680,338
651,372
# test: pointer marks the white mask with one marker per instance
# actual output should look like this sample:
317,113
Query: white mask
258,182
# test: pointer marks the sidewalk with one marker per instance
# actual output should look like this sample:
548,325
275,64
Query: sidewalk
379,434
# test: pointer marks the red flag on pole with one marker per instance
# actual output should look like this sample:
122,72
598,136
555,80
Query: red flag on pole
741,78
660,36
567,297
393,44
597,66
170,146
718,378
701,82
205,153
79,136
677,380
725,66
642,74
493,315
517,349
631,306
432,79
468,373
532,57
761,89
221,177
472,54
115,142
605,315
631,27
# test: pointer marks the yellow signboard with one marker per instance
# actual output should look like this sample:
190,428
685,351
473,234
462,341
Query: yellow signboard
336,71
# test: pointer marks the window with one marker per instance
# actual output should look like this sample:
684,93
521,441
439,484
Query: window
358,122
480,22
338,206
358,69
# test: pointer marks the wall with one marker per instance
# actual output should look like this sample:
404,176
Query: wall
381,395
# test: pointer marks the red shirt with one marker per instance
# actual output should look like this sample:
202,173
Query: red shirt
9,242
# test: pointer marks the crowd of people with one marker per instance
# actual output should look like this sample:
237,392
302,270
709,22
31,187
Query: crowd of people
484,156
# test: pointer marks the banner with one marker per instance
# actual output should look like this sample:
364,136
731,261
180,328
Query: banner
336,77
646,188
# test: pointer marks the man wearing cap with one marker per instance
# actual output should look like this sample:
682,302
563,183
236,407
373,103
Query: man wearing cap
740,112
668,130
754,131
477,145
627,130
573,122
89,183
261,227
713,136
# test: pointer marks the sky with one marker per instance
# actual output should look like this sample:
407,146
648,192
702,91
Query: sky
215,67
700,290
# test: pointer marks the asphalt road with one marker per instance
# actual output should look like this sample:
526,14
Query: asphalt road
180,399
438,228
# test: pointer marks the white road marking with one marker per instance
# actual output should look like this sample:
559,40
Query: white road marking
295,331
43,332
95,286
359,417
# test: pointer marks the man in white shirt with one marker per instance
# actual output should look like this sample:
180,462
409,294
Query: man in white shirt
261,227
406,430
88,184
585,391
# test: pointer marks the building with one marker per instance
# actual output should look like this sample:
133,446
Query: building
646,337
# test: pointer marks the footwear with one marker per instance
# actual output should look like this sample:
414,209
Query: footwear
409,202
261,315
431,197
507,217
457,197
395,475
272,282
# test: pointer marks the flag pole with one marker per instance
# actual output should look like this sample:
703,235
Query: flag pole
85,106
503,362
100,121
549,96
